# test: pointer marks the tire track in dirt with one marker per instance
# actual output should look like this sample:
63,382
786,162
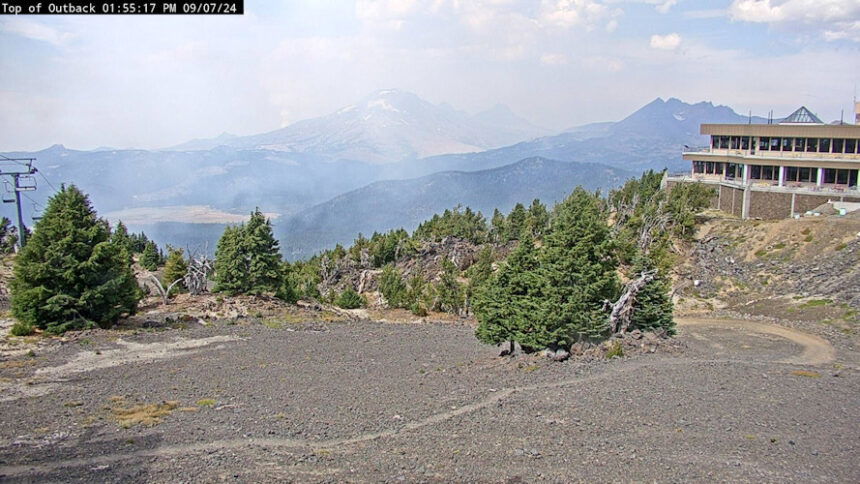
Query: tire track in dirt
816,351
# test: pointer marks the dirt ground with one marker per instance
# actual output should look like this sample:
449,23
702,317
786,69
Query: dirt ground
356,401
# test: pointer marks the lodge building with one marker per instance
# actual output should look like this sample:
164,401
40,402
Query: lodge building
777,170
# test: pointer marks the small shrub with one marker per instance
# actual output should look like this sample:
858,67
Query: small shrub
808,238
760,253
20,328
418,309
349,299
206,402
615,351
779,246
841,246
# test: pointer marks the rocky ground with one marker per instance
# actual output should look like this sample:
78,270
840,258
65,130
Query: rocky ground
351,401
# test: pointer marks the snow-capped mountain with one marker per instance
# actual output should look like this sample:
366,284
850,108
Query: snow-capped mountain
388,126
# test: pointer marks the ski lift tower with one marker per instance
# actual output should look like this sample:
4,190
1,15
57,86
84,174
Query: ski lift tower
21,173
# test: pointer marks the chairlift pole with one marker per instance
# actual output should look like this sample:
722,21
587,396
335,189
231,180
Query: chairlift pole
22,234
28,170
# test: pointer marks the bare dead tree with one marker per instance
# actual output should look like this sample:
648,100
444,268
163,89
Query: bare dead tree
622,309
199,269
165,293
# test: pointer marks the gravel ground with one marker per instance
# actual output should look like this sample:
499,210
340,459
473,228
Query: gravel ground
364,401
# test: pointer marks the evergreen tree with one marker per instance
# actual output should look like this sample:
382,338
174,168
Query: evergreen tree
121,239
498,228
508,304
150,258
70,275
8,236
392,287
537,218
516,222
449,291
418,295
264,259
288,291
231,265
578,271
653,307
174,269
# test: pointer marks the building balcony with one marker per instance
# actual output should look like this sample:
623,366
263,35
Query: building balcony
768,185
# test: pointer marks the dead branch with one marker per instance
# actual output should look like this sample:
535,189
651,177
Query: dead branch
622,310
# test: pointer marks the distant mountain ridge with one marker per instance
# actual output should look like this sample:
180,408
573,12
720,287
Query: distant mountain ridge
385,205
387,126
651,137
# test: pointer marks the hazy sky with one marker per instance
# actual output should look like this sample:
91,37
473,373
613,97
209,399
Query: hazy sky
156,81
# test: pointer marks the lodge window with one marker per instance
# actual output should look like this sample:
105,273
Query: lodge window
786,144
824,145
733,170
736,142
724,142
838,145
800,174
774,144
799,144
812,145
851,146
764,143
714,142
840,177
764,172
745,143
698,167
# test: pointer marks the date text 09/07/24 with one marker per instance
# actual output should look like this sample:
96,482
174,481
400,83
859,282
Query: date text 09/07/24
121,7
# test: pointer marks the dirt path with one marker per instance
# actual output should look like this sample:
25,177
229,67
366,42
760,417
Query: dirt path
816,351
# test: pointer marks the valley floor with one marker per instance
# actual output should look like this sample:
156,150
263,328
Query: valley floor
367,401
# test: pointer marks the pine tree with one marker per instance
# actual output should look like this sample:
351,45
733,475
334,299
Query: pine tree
121,239
508,304
449,291
264,259
175,269
578,270
418,295
247,258
150,258
231,265
288,291
70,275
653,306
516,222
392,287
537,218
498,228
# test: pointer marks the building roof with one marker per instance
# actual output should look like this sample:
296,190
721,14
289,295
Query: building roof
802,116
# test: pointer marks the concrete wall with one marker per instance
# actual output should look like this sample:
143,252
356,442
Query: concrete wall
768,204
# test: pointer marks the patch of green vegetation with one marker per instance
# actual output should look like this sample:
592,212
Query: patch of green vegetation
206,402
816,303
840,247
779,246
85,342
760,253
273,323
615,351
21,328
808,238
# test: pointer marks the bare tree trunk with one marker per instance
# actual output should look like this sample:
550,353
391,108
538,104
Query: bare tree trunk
622,309
165,293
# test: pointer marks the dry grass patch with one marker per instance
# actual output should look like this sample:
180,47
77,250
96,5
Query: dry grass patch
206,402
144,414
806,373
